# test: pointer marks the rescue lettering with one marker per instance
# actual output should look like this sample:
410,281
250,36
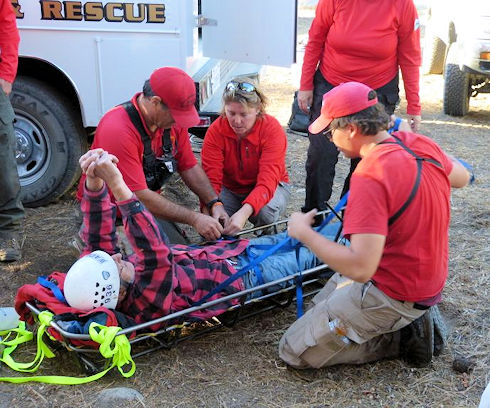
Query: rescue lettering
17,6
97,11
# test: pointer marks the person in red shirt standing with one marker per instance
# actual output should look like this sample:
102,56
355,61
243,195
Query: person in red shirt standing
364,41
378,303
160,117
11,209
244,154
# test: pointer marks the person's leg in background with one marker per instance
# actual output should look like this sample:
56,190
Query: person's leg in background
275,208
322,155
11,209
231,201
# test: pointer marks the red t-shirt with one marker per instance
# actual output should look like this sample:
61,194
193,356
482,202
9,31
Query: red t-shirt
116,134
253,165
365,41
414,263
9,41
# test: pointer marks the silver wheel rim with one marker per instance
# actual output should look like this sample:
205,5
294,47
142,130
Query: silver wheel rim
33,151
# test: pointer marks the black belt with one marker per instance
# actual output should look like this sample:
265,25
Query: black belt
418,306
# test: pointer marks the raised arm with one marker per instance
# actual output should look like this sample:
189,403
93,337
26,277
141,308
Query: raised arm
99,214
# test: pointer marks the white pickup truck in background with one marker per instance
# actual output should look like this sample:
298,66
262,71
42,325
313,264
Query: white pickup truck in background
457,44
77,59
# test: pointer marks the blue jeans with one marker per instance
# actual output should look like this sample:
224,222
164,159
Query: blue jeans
11,209
279,264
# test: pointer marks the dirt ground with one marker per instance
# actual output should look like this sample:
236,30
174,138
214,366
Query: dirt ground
240,367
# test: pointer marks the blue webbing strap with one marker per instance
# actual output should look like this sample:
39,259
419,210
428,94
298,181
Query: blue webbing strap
468,167
286,243
53,287
242,271
395,126
299,287
256,268
299,279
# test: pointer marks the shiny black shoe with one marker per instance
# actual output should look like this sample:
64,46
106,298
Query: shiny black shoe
417,341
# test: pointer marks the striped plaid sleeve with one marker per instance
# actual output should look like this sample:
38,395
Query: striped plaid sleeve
152,288
99,222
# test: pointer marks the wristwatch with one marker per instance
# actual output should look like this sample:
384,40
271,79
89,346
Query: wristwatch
212,203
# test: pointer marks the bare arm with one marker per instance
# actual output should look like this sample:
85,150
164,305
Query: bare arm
459,176
238,220
160,207
358,262
197,180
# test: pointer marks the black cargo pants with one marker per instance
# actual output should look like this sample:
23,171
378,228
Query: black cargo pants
323,155
11,209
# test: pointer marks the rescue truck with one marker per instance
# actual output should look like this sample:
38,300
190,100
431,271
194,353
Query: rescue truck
78,59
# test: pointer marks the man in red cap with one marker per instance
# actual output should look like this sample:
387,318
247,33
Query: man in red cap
150,137
378,304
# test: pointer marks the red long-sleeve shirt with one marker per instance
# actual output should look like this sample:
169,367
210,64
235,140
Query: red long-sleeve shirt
253,165
166,279
365,41
9,42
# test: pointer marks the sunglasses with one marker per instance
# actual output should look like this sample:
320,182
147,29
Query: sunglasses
246,87
328,133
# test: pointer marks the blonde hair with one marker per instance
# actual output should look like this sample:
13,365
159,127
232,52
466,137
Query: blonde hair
255,99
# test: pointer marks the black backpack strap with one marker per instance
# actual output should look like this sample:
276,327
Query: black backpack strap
166,142
136,121
416,185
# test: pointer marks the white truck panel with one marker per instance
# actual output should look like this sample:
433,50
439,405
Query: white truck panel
262,32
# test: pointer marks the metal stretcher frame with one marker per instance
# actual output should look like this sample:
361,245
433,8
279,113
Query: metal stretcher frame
167,337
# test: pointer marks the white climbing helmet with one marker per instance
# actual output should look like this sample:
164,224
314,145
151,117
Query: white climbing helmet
92,281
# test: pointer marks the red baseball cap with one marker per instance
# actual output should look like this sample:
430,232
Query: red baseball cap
343,100
178,91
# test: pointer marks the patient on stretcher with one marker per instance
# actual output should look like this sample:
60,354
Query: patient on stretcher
158,279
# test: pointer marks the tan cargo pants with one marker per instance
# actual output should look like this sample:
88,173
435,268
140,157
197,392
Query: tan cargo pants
371,320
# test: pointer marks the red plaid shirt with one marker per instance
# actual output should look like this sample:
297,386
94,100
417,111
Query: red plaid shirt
167,279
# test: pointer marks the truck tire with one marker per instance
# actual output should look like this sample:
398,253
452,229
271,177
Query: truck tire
434,55
50,140
457,87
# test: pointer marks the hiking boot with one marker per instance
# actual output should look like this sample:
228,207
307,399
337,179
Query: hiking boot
440,330
10,246
417,341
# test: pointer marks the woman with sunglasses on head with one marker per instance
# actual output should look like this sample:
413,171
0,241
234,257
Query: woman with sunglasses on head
243,156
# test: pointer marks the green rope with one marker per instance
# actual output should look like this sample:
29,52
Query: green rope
112,346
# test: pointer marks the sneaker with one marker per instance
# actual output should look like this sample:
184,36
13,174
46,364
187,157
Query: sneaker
10,247
417,341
